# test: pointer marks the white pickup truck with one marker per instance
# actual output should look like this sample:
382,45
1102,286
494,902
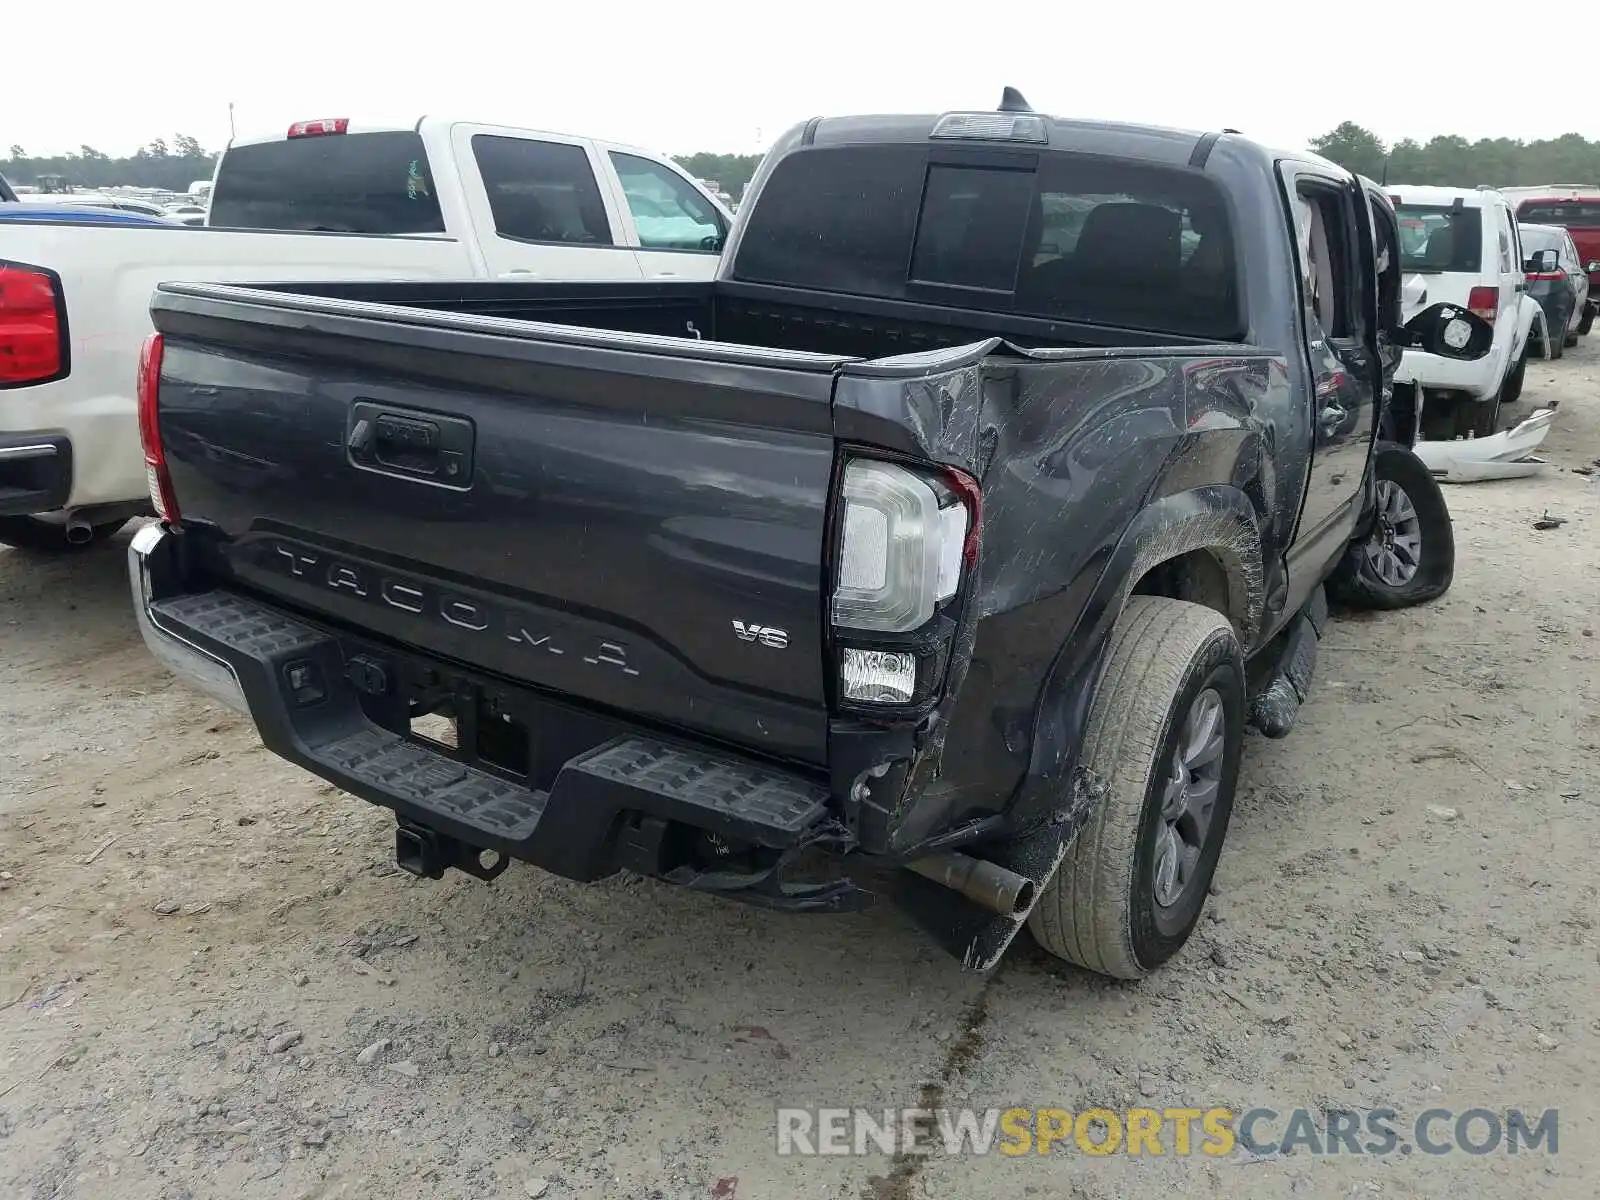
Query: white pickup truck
439,199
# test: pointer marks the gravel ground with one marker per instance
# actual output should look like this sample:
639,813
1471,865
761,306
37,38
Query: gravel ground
213,981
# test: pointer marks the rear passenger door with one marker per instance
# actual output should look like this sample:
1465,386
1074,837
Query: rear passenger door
539,208
1573,265
1335,252
1513,279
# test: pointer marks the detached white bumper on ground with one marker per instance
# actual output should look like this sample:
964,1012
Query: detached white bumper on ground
1506,455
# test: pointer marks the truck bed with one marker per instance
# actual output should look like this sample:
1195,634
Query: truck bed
724,312
600,500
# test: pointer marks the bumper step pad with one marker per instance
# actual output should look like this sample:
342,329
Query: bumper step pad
569,830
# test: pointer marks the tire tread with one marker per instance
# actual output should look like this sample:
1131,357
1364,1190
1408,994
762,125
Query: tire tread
1084,914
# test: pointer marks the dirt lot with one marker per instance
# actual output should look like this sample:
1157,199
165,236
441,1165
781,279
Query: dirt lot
214,982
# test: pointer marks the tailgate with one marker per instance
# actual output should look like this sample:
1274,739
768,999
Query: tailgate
633,522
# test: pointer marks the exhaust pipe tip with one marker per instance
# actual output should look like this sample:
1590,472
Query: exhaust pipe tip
79,533
985,883
1025,896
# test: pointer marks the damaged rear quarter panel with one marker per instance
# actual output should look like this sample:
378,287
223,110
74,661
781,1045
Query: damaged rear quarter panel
1095,465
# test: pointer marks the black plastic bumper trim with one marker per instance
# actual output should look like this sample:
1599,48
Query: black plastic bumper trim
294,678
35,473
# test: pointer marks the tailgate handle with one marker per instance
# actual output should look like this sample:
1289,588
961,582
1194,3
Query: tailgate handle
417,445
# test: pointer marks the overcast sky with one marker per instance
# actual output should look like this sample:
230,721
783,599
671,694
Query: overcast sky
680,77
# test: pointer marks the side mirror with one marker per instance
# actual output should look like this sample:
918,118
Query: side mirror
1544,262
1449,331
1594,266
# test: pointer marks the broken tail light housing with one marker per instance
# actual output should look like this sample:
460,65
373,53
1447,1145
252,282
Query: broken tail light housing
33,327
1484,303
907,539
162,498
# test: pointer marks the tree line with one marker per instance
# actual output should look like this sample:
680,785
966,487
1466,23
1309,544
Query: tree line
171,165
1450,160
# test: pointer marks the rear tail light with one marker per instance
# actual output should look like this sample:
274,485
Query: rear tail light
1484,303
156,475
320,128
906,542
33,346
1546,276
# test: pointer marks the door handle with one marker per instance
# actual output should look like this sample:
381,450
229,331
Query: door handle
412,445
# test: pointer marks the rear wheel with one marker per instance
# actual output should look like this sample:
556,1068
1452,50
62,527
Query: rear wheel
1410,555
1511,389
40,536
1587,323
1482,419
1165,735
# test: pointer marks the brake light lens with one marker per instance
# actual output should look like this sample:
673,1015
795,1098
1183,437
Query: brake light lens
907,541
1484,303
900,554
156,475
322,128
992,126
32,345
1538,276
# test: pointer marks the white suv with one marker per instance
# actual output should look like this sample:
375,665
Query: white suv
1460,245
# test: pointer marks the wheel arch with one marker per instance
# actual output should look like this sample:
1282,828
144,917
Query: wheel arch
1202,545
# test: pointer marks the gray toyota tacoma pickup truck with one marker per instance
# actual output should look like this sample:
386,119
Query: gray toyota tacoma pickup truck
943,548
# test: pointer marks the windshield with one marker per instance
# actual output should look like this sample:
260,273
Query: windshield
340,183
1437,238
1065,237
1583,214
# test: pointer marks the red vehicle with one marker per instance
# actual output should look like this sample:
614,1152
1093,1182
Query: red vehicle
1577,208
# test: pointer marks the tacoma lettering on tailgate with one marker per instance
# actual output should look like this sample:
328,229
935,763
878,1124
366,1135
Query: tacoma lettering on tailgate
419,597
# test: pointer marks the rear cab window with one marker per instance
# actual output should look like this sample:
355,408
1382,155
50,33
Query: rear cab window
1045,234
372,183
1438,238
1580,214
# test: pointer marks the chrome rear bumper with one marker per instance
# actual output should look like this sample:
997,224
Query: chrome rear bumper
152,576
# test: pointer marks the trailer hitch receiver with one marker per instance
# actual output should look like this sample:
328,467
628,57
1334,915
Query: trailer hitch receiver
427,854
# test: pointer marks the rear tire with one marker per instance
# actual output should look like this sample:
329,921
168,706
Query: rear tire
46,537
1482,419
1409,557
1165,734
1587,323
1511,389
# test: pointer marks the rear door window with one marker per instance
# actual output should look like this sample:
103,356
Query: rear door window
1050,235
376,183
1440,238
541,191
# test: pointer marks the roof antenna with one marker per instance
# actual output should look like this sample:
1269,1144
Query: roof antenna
1012,100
